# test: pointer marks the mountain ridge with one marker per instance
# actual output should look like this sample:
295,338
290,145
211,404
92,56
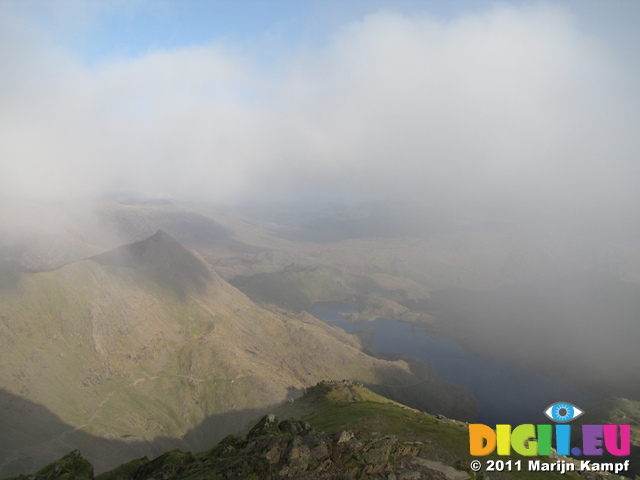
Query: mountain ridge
115,351
163,258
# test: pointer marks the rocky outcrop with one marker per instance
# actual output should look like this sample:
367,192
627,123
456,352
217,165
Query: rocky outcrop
72,467
291,449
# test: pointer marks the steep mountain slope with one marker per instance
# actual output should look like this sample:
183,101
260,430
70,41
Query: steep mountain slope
148,345
497,288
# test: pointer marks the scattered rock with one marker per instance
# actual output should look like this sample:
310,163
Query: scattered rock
267,424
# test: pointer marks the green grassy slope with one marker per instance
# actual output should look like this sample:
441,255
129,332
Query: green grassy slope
336,406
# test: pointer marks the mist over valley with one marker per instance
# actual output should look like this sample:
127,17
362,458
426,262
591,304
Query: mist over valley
377,221
198,328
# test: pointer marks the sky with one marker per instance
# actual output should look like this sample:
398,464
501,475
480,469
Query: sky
522,106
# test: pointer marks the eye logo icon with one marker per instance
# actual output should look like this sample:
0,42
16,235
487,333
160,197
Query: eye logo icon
562,412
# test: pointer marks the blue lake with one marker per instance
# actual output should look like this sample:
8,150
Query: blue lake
506,393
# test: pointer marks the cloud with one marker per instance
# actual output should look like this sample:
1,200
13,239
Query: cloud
513,106
509,102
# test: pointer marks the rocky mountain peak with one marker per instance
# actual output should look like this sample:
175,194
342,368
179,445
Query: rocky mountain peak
164,260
